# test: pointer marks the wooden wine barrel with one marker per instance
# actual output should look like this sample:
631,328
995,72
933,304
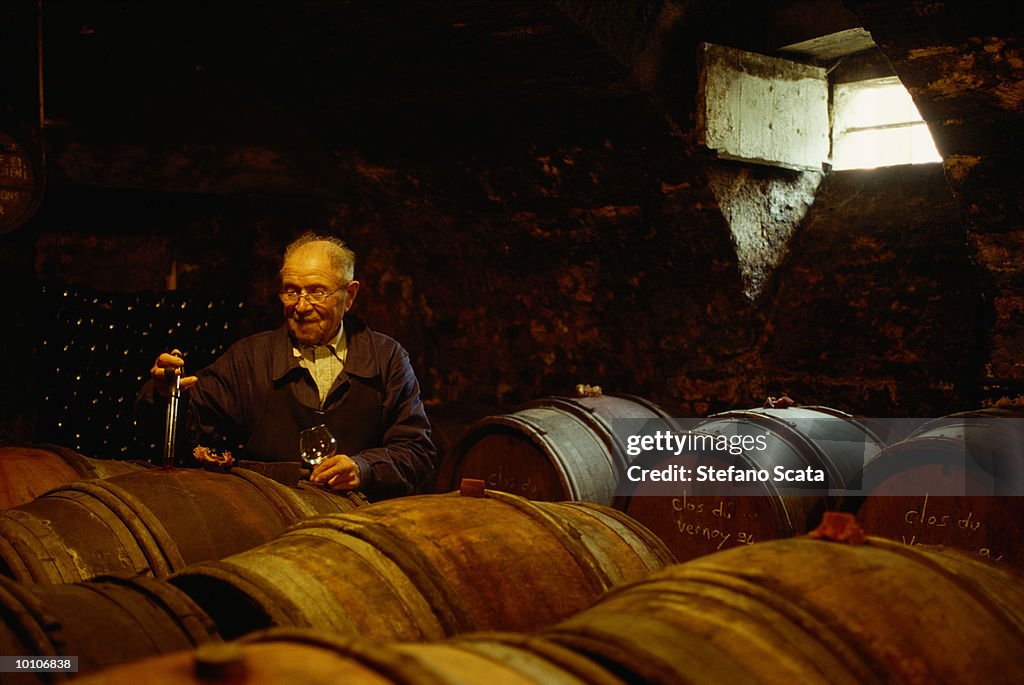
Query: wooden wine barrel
153,522
810,611
958,481
423,567
303,656
553,449
26,472
103,622
700,517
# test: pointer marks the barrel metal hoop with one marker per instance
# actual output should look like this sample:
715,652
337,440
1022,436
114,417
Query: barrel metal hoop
626,526
539,436
397,667
42,555
850,418
593,420
421,614
105,595
578,484
114,523
616,447
535,433
801,445
990,603
448,605
291,509
79,462
11,559
646,404
342,501
175,604
552,449
29,619
239,578
823,629
832,634
18,554
157,545
569,660
566,534
612,648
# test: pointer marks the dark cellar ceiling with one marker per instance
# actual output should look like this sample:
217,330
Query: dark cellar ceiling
395,76
340,71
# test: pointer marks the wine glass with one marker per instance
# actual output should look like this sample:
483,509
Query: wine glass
316,444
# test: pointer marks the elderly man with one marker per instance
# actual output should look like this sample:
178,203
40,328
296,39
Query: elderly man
323,366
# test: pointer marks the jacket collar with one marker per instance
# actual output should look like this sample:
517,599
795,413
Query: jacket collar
361,359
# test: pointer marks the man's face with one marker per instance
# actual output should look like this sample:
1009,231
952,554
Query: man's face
308,269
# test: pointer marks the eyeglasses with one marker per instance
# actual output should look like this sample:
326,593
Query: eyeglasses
314,297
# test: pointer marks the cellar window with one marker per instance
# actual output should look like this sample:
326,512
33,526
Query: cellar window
876,124
761,109
774,111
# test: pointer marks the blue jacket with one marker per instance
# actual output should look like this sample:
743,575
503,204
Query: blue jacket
255,398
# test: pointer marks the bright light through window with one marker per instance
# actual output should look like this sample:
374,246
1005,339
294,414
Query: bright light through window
875,123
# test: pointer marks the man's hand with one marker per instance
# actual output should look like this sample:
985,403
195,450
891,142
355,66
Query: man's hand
165,368
337,473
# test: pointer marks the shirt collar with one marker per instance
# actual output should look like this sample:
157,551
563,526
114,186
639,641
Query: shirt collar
336,344
360,359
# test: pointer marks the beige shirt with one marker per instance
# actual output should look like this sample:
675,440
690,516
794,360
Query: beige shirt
324,362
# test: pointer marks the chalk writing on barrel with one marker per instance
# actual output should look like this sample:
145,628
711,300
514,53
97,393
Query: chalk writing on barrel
983,551
499,481
723,509
720,511
915,516
921,516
